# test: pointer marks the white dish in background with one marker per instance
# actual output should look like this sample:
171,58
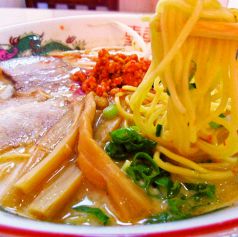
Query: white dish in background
87,32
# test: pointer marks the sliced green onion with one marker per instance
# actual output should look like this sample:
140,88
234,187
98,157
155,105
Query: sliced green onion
110,111
158,130
192,86
164,182
167,92
98,213
216,125
126,164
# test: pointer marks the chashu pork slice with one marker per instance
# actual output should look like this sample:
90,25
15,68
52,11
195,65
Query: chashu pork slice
25,120
29,74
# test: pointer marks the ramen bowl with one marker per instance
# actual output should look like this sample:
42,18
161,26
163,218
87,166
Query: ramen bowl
85,32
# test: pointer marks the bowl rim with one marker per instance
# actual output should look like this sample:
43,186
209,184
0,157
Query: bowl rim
20,226
29,227
106,16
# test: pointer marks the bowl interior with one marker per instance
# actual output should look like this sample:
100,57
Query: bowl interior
73,33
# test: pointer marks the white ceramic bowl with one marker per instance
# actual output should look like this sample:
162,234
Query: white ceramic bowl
94,31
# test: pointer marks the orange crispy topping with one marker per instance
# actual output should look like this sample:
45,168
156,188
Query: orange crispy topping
111,72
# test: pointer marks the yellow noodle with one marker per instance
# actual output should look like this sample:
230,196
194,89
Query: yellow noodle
125,114
184,161
186,113
212,175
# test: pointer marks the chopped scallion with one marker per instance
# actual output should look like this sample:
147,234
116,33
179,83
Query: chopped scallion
158,130
110,111
98,213
215,125
192,86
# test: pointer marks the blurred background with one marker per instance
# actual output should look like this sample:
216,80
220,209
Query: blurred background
142,6
21,11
